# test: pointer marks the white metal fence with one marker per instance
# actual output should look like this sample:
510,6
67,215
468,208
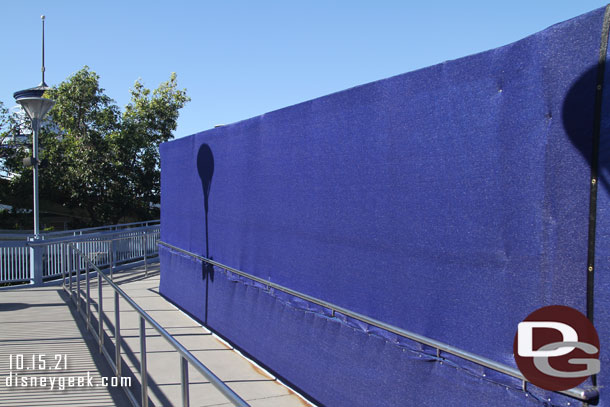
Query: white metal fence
114,245
14,262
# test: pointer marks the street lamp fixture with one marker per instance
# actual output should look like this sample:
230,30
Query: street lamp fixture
36,107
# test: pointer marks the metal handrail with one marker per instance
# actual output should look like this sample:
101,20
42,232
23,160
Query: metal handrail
577,392
116,227
73,233
186,357
86,238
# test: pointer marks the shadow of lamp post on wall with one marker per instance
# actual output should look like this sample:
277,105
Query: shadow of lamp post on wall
36,107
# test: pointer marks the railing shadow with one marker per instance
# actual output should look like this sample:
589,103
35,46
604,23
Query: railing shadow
126,350
118,396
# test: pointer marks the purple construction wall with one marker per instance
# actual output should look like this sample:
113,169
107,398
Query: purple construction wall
450,201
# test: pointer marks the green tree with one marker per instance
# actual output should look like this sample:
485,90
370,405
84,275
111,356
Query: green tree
103,163
149,119
11,153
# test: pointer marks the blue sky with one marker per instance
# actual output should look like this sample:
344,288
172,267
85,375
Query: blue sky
239,59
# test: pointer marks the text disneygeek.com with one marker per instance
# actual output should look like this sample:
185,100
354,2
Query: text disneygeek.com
22,367
64,382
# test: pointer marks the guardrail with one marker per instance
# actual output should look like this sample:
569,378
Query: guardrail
21,235
41,260
14,262
577,392
186,357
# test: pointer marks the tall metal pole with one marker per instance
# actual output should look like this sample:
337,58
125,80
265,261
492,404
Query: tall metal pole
36,107
36,130
42,83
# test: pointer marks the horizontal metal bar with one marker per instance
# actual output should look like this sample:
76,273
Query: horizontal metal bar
577,392
20,235
214,380
155,222
98,237
17,237
13,243
21,280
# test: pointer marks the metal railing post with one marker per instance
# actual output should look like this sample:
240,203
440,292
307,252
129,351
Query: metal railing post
111,255
101,311
184,381
78,284
63,264
75,264
88,296
117,333
143,369
36,261
144,242
70,265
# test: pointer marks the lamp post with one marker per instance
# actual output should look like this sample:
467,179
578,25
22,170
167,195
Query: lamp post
36,107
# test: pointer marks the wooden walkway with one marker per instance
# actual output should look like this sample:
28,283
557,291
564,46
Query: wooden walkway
42,323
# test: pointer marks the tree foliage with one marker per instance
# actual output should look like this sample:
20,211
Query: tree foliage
103,162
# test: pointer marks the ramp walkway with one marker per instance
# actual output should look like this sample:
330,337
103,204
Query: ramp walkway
40,321
43,324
